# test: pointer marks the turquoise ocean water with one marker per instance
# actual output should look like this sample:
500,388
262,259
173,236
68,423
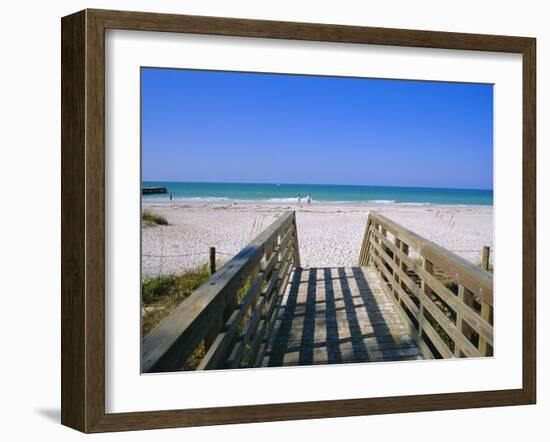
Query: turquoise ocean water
326,193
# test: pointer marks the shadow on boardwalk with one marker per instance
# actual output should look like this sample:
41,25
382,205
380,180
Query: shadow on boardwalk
338,315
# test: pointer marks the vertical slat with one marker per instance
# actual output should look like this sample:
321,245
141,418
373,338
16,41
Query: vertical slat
459,321
428,266
294,243
405,250
213,332
255,272
485,258
487,314
212,256
465,296
364,255
396,259
258,329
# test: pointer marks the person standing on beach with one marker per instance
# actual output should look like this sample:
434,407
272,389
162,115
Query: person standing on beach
300,199
170,197
308,198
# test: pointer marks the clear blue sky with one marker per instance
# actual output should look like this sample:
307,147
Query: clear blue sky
263,128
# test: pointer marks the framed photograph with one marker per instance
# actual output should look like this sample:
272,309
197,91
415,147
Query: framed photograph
269,220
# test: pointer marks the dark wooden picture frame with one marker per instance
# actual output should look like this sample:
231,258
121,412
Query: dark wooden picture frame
83,220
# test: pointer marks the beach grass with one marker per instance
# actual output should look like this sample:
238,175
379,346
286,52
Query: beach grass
162,294
151,219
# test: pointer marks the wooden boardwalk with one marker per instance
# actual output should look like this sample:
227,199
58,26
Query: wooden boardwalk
338,315
408,298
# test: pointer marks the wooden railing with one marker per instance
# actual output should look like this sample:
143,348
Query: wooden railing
447,301
227,322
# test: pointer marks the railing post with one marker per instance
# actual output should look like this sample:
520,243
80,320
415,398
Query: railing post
405,250
397,262
397,243
485,258
212,253
212,333
428,266
487,314
365,245
465,296
295,243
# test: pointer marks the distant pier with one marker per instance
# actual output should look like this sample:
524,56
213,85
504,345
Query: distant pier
153,190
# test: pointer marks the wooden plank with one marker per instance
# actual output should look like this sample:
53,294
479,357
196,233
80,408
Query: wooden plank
485,258
468,315
223,341
270,293
436,340
295,244
378,334
212,256
402,295
426,352
465,297
394,354
213,332
411,327
464,272
364,253
404,258
263,328
167,346
485,347
228,336
239,349
471,317
459,339
271,317
447,325
477,280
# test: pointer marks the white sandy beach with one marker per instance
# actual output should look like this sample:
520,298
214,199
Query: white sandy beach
328,234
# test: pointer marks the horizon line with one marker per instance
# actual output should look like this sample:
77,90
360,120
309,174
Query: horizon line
319,184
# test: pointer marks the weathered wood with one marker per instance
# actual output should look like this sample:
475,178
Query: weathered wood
485,258
463,308
224,339
436,340
465,296
462,271
401,310
312,329
271,318
485,346
427,266
240,333
212,259
390,255
168,346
